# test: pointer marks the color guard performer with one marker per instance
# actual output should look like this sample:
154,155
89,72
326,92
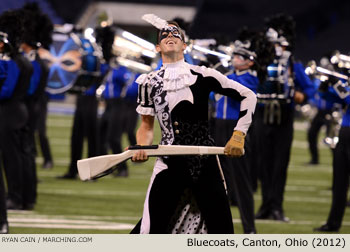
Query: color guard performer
186,194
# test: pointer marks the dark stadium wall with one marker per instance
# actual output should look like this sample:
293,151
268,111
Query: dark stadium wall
321,24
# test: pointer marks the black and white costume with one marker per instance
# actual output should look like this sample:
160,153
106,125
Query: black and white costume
186,193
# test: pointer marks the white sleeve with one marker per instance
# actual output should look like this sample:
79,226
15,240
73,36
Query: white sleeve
234,90
145,103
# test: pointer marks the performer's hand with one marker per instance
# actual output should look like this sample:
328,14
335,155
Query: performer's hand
139,156
235,146
299,97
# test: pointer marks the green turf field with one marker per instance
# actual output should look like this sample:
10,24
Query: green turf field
114,205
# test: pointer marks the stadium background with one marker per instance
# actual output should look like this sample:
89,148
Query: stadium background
114,205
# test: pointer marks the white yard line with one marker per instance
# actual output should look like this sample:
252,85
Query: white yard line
37,221
57,161
304,144
289,188
60,223
59,123
293,222
301,125
33,215
322,183
60,141
295,188
322,199
93,192
66,226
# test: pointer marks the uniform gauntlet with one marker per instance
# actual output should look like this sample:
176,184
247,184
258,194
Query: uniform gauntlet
235,146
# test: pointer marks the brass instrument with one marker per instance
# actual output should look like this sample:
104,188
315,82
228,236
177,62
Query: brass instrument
306,111
341,60
323,74
335,117
129,50
199,50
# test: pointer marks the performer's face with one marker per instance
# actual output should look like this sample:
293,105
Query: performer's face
170,41
241,63
175,31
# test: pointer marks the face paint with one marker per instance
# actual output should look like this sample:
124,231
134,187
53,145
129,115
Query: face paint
170,29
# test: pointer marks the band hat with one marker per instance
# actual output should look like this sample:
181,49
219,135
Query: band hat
242,48
273,36
4,37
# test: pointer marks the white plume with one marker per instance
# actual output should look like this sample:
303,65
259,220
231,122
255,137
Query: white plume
155,21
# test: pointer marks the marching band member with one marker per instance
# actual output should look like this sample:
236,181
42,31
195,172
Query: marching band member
251,55
42,106
118,115
339,93
85,124
286,85
15,72
37,33
130,101
322,117
113,119
4,228
186,193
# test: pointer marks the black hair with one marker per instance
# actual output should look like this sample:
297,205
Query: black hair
284,25
264,50
38,26
11,23
181,23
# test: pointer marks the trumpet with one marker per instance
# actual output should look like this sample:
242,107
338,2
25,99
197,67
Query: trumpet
194,47
341,60
323,73
335,117
199,50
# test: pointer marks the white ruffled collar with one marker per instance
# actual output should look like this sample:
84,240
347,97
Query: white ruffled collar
177,76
